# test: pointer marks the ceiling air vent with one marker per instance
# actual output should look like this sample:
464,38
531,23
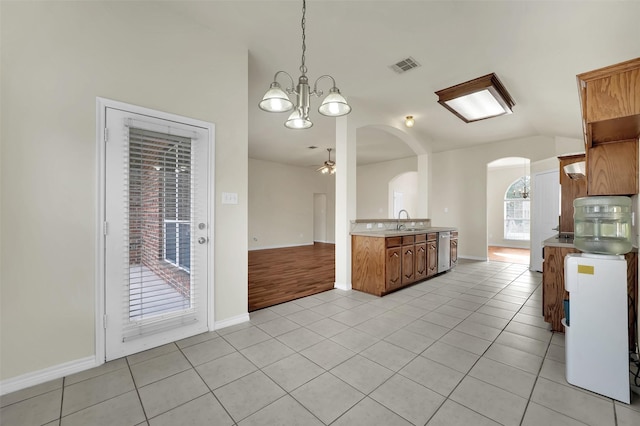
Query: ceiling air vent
405,65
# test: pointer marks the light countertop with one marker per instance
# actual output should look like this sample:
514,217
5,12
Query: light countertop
398,233
557,241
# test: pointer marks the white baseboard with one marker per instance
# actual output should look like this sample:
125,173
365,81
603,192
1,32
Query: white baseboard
342,286
47,374
506,245
238,319
483,259
279,246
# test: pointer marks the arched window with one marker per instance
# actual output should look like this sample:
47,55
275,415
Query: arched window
517,210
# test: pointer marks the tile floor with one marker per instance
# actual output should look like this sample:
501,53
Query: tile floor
466,348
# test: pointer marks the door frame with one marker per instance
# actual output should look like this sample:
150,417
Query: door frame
100,284
537,232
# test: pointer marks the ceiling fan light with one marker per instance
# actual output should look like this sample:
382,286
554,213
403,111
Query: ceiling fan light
409,121
275,100
298,121
334,104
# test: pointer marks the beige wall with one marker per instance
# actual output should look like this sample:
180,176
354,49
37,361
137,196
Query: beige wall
281,204
373,186
407,184
458,190
56,59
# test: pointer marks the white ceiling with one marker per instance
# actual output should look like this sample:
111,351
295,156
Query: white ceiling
535,47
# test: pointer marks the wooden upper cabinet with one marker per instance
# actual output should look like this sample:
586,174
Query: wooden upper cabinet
610,102
612,168
570,189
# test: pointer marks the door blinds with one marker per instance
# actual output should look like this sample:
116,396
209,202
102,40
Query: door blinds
159,284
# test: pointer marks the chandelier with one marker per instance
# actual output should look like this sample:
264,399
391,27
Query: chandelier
277,100
524,191
328,166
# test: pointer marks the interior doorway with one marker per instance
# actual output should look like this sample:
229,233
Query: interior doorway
509,210
320,218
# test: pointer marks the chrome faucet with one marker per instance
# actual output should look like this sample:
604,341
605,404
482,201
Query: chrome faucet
398,225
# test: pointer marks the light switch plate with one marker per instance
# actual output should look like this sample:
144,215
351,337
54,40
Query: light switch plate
229,198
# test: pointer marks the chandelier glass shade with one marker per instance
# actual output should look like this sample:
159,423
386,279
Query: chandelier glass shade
277,100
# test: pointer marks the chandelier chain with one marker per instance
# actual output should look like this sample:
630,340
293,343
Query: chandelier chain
303,67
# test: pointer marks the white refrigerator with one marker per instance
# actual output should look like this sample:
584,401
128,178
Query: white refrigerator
596,324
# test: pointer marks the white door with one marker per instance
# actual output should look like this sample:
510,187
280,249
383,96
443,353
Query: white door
156,232
546,210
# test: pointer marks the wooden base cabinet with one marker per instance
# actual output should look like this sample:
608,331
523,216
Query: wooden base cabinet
393,268
381,265
554,294
432,254
408,259
420,270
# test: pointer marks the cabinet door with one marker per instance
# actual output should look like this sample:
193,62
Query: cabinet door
454,253
432,258
612,168
553,292
612,96
408,264
394,268
421,261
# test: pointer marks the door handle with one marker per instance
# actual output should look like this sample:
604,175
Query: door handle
202,240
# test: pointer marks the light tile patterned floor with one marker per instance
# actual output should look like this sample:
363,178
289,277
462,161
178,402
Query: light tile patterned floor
468,347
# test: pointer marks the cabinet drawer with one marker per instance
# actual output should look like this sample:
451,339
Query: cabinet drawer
394,241
432,237
421,238
408,239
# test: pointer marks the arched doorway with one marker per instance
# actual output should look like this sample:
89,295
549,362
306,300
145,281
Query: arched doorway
508,210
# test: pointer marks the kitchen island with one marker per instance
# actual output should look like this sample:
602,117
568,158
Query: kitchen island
390,254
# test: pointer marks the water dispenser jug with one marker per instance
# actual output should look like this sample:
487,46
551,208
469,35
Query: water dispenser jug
602,224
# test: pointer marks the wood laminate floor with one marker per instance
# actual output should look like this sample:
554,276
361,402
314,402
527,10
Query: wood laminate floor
284,274
507,254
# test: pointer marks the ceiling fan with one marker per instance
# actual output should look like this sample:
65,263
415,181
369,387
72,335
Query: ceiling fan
328,166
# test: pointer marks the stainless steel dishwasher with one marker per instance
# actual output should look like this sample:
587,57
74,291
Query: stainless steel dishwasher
444,251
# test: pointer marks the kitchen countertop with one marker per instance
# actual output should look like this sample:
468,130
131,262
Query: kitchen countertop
557,241
398,233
